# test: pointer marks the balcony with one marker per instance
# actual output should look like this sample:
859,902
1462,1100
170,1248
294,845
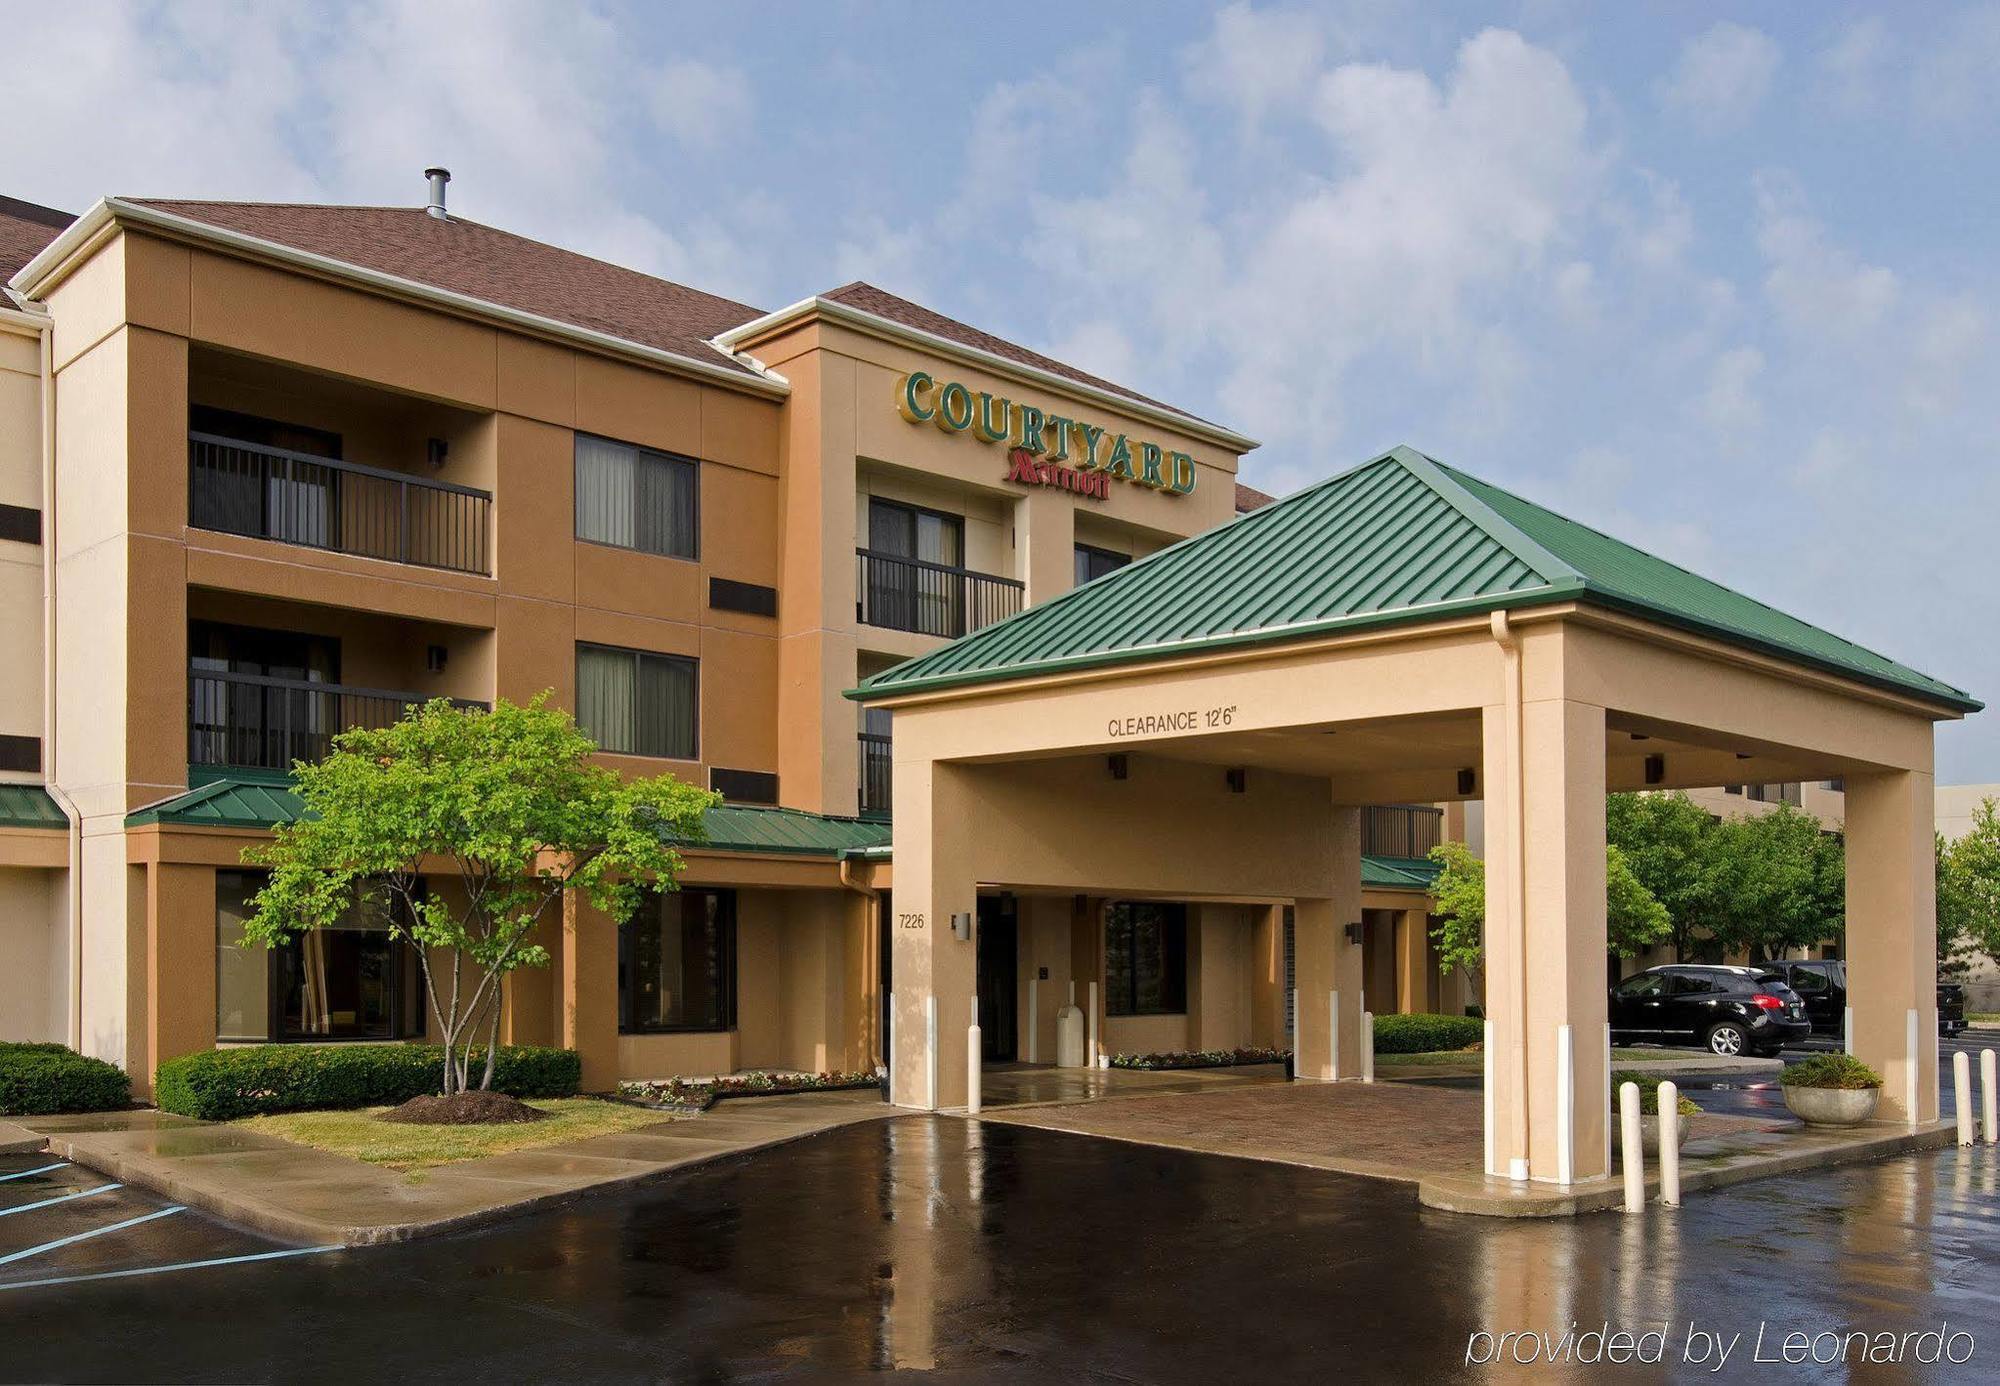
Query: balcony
263,492
876,775
1400,830
252,721
927,598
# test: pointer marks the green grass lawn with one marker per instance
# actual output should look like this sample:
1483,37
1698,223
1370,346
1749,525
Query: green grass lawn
395,1145
1982,1017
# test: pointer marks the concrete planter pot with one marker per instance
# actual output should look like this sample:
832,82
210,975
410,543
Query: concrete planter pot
1649,1133
1832,1106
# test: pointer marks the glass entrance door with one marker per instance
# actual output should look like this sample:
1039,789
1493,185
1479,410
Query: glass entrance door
998,982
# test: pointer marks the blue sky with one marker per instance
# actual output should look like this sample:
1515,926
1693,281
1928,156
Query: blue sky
1722,280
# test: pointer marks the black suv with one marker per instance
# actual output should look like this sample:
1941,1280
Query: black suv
1822,986
1725,1010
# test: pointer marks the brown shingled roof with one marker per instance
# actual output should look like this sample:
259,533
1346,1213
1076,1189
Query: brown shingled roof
496,266
25,227
1249,498
884,304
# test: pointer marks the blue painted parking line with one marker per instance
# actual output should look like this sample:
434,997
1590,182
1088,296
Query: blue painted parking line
177,1266
64,1198
23,1174
76,1237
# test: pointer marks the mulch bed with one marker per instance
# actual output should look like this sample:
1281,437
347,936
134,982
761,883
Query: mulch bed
464,1109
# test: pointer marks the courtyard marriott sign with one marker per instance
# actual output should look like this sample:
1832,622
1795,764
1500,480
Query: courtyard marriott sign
1044,449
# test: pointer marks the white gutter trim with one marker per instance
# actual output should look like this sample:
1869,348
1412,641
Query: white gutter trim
850,316
39,273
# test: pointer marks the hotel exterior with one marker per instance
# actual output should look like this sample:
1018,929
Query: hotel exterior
1010,692
269,471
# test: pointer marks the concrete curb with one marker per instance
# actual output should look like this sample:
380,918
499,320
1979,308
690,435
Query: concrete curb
274,1220
1499,1198
19,1140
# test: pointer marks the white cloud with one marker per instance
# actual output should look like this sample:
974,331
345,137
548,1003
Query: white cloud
1942,350
1730,405
1854,63
1255,61
1722,76
700,104
1820,290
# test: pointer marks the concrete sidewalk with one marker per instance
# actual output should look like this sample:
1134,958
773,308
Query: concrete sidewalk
17,1140
313,1197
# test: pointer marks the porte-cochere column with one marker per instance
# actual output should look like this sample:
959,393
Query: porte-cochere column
1892,938
1326,961
934,881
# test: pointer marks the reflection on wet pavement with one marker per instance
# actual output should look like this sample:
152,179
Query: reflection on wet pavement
972,1251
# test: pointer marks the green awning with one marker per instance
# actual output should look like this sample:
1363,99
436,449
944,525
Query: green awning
1399,873
253,800
1397,541
29,806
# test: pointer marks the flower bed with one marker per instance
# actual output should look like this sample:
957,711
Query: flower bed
699,1094
1206,1058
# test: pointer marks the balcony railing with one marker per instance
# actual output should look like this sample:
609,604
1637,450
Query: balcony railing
295,498
875,775
929,598
1401,830
254,721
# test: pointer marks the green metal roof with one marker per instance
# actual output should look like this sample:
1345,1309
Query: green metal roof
736,828
247,799
1398,540
1399,873
29,806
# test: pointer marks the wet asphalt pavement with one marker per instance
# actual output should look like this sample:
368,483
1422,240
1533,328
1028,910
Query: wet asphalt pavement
975,1252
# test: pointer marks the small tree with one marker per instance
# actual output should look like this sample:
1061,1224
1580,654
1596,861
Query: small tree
1633,920
1972,865
510,803
1667,841
1954,913
1789,882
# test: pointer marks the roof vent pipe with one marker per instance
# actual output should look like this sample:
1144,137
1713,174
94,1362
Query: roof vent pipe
438,177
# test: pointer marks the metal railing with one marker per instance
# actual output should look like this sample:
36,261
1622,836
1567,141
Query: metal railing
269,493
876,775
929,598
255,721
1401,830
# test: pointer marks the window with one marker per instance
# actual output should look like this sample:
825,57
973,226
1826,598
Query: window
638,704
1695,984
259,494
348,981
1808,979
915,573
1145,958
677,963
1093,563
1645,984
635,498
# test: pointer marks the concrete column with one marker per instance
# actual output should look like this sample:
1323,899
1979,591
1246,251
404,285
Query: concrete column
1045,542
935,813
1267,976
180,967
1545,938
1324,961
1413,972
1892,937
589,1001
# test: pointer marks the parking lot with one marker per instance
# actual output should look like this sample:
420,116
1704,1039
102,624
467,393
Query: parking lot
63,1224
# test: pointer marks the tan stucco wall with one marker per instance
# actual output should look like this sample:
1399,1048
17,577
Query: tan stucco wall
34,958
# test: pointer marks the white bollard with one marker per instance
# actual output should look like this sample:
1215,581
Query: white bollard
1847,1032
1670,1144
1987,1078
1634,1153
889,1048
1034,1026
1333,1031
1090,1050
1911,1048
1367,1047
1961,1094
1565,1106
972,1069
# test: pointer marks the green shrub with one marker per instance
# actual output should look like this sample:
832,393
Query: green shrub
1830,1071
1425,1034
264,1079
1649,1093
46,1078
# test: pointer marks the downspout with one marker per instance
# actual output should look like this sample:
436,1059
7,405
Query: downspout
870,948
49,651
1517,890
